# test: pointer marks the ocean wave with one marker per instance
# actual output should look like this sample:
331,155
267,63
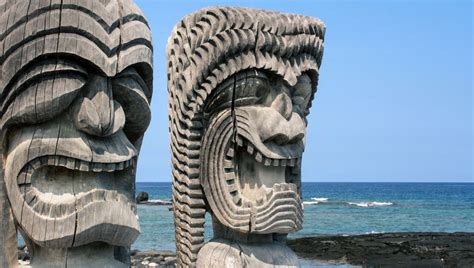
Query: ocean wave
316,200
370,204
373,232
320,199
158,200
311,202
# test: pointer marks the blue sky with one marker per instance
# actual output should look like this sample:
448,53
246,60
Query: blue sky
394,101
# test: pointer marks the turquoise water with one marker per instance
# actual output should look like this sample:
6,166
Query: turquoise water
343,208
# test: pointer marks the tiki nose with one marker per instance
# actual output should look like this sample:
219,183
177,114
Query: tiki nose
282,103
96,113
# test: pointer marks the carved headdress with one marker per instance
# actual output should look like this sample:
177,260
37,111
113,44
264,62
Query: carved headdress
206,52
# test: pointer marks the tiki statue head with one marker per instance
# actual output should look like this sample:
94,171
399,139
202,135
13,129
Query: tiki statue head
240,87
75,91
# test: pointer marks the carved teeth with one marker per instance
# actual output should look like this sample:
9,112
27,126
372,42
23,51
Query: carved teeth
51,161
291,163
35,164
98,195
269,193
281,187
30,197
121,198
259,157
120,166
111,196
62,161
70,163
97,167
230,152
292,187
77,164
109,167
267,162
250,149
47,203
83,166
277,187
28,177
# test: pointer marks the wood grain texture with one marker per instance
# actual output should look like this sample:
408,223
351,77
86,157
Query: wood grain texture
232,254
214,55
71,72
8,243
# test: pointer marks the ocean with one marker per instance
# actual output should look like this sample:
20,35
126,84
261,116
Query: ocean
342,209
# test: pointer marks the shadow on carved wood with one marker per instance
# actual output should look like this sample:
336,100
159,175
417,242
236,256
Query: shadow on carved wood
240,84
75,88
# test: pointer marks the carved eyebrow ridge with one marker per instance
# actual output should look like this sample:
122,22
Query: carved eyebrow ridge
136,77
108,28
44,69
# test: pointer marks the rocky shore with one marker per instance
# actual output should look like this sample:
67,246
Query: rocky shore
144,199
139,259
371,250
153,258
390,249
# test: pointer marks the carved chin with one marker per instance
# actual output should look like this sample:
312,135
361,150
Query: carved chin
251,186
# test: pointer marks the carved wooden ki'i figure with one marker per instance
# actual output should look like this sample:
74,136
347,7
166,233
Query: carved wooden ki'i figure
240,84
75,88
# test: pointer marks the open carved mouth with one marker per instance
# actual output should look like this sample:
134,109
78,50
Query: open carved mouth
260,176
70,202
252,171
58,186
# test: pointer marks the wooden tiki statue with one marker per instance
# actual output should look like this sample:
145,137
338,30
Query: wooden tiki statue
75,87
240,84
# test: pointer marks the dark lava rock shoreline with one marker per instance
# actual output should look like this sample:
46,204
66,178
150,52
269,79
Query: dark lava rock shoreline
371,250
153,258
390,249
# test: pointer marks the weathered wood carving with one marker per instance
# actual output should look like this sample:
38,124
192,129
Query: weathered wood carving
75,87
240,84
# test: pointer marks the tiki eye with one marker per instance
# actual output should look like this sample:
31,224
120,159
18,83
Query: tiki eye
43,92
251,90
129,91
244,88
301,94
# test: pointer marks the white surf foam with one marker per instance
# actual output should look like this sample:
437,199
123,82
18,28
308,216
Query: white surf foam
320,199
316,200
311,202
370,204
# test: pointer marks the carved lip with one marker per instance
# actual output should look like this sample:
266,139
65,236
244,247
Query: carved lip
59,180
268,176
265,153
272,184
96,198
